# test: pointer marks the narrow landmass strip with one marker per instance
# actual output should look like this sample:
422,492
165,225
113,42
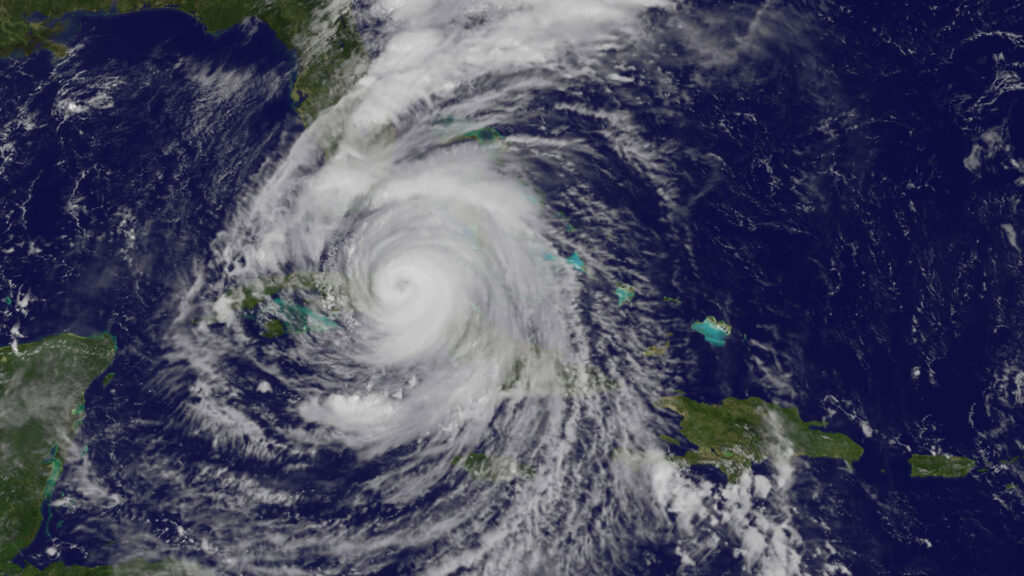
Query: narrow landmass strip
940,466
485,467
735,434
482,135
323,42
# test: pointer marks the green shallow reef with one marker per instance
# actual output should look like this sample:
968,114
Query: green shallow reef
292,304
737,433
624,294
940,465
714,331
324,43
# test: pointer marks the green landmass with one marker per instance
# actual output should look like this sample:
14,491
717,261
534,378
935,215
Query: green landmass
737,433
273,329
482,135
669,439
482,466
658,349
42,385
42,389
30,25
287,305
250,297
939,465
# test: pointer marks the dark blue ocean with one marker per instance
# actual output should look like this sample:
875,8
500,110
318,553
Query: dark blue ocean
154,179
850,194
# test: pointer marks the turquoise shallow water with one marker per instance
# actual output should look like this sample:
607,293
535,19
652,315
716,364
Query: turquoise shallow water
713,331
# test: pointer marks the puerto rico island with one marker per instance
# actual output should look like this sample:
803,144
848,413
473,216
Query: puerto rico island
939,466
483,466
735,434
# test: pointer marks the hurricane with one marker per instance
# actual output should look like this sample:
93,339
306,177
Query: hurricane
518,287
455,323
461,396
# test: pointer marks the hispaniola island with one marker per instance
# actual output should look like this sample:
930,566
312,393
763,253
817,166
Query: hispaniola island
511,288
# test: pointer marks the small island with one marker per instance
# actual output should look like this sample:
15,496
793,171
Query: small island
483,466
940,466
735,434
576,262
624,294
658,349
715,332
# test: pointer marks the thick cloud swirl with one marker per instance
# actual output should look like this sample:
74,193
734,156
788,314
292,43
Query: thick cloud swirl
457,326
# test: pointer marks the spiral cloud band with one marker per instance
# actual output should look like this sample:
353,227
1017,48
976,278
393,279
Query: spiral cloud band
465,395
448,291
